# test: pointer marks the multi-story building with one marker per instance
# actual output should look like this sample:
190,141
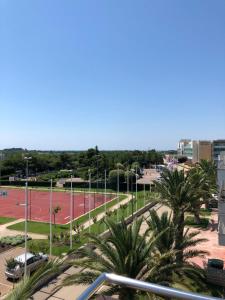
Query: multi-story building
218,146
195,150
185,148
202,150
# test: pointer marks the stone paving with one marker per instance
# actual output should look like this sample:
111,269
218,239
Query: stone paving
53,290
212,246
4,231
5,284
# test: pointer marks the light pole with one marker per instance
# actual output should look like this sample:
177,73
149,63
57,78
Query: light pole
50,221
97,157
136,188
26,204
144,193
118,188
128,182
105,196
1,158
89,201
71,211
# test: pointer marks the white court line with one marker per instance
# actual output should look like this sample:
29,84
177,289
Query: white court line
67,217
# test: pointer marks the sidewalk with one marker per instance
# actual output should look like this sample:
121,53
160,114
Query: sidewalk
51,292
102,214
4,231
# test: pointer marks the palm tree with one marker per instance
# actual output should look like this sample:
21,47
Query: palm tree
203,180
27,286
208,169
165,243
56,210
178,193
125,252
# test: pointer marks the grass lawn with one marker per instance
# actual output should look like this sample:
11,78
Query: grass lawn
190,221
97,228
4,220
205,212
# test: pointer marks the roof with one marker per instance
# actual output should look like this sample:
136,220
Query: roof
21,258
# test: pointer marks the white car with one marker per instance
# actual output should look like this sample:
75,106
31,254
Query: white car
15,268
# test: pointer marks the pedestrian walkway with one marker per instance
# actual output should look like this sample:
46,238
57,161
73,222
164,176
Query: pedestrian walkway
114,207
71,292
4,231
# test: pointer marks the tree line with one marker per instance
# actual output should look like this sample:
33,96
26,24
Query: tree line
77,163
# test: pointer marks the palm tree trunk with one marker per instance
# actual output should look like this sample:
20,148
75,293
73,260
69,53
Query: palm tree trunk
178,220
197,217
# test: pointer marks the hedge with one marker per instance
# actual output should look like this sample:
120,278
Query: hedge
30,183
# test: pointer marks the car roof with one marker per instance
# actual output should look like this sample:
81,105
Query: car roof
21,258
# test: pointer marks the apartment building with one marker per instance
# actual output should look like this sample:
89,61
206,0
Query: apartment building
218,146
202,150
185,148
195,150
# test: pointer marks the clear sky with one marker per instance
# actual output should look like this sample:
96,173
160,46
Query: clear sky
119,74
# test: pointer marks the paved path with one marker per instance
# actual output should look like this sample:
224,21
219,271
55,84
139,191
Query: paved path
5,284
71,292
117,205
4,231
149,176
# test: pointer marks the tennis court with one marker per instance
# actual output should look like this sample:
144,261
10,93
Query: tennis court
12,204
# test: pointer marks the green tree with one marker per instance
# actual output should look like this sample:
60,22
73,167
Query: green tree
203,180
178,193
166,242
125,252
56,210
113,177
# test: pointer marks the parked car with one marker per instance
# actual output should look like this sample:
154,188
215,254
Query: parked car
15,266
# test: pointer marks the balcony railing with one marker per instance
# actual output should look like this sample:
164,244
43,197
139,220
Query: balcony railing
142,286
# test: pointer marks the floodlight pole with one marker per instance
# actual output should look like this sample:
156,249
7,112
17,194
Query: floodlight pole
118,188
127,181
136,188
89,201
105,194
71,211
1,157
144,195
26,204
50,221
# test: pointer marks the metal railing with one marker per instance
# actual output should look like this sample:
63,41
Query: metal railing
142,286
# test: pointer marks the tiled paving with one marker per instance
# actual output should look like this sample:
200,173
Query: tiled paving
215,251
6,285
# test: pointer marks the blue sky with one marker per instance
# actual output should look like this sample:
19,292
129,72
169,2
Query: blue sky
117,74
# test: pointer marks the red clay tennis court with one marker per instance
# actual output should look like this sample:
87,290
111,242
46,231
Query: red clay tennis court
12,204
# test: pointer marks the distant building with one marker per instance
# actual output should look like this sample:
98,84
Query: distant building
202,150
185,148
218,146
195,150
